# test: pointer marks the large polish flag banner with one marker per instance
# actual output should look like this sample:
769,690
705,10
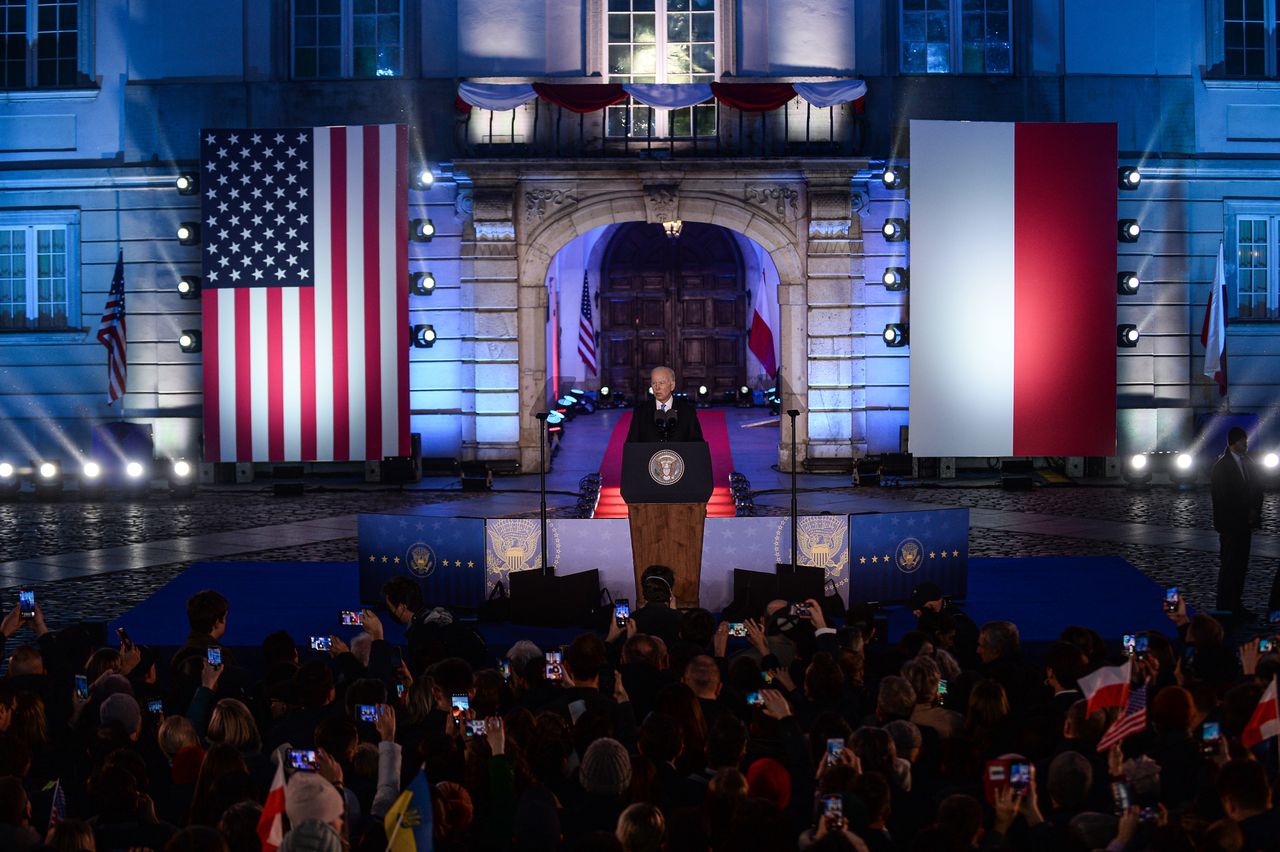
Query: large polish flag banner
1013,266
304,234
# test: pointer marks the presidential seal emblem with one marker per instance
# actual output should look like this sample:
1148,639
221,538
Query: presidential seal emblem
420,559
909,555
666,467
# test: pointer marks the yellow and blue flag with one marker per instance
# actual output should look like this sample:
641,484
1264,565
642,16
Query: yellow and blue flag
410,824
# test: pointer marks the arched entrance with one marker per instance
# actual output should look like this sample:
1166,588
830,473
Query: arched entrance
679,302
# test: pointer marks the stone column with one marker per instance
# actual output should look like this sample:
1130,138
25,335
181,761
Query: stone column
493,274
836,356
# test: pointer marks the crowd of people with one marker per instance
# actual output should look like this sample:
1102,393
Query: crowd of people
800,728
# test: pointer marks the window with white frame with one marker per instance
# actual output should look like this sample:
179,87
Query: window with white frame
1249,38
347,38
661,41
39,270
956,36
39,44
1254,276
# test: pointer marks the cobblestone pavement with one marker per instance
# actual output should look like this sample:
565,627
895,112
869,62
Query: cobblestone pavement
46,529
36,529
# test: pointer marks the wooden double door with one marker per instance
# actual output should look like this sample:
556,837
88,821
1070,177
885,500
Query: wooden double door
674,302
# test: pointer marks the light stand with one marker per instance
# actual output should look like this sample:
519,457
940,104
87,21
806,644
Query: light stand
548,570
793,414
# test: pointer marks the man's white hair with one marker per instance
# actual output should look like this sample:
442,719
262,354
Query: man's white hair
656,370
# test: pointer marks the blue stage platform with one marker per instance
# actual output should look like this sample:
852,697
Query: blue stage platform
1042,595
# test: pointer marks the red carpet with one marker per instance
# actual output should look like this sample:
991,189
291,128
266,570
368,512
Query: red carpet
714,430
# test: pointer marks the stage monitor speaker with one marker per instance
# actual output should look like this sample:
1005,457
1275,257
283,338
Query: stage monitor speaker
563,601
752,590
476,476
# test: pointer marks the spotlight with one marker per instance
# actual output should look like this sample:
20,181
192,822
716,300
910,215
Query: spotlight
189,340
1183,471
421,230
422,283
92,483
702,390
894,177
189,233
181,481
423,336
744,397
673,228
894,230
1130,230
895,278
10,482
134,470
1127,335
604,390
424,178
1270,460
1130,177
1127,283
48,481
189,286
187,184
744,391
1138,471
895,335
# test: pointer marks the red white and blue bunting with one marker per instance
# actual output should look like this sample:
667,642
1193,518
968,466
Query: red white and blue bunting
592,97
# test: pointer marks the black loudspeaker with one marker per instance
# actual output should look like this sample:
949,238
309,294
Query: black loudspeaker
476,476
561,601
1017,474
752,590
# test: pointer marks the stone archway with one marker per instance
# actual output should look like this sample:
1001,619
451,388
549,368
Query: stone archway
800,213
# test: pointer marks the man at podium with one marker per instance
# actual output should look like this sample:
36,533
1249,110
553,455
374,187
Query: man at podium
665,417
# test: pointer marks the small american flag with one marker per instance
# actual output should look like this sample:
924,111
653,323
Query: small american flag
587,331
306,324
1133,720
58,806
111,334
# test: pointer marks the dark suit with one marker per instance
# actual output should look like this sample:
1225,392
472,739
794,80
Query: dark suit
644,429
1237,509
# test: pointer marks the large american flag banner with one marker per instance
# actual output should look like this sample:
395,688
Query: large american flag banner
112,334
306,323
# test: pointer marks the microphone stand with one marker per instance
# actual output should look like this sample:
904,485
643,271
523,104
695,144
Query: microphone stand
793,414
547,569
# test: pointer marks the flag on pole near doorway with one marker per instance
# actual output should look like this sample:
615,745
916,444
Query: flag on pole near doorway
1013,300
112,334
304,237
1213,335
764,319
586,331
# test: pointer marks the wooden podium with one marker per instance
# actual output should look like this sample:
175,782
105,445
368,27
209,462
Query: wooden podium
666,487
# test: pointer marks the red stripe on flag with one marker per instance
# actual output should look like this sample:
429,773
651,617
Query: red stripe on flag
307,373
338,254
372,298
275,373
244,377
402,284
212,424
1064,384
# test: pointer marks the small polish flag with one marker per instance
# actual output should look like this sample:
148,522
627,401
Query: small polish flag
271,823
1265,721
1107,687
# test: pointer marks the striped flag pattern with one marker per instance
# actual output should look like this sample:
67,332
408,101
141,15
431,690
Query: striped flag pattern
306,325
112,334
1265,721
1132,721
587,331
